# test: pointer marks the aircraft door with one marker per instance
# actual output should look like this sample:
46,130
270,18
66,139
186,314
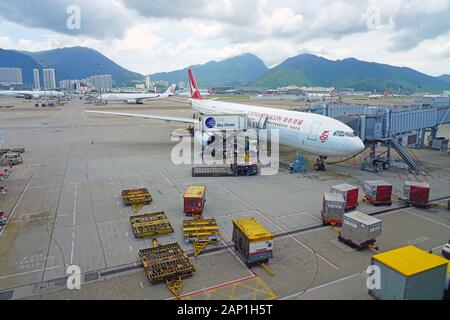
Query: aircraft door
262,124
314,131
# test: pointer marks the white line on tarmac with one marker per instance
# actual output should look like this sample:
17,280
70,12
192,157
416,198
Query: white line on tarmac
275,224
75,200
52,186
319,287
431,220
18,201
300,242
167,179
29,272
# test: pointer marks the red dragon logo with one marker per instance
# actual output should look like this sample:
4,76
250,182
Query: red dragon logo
324,136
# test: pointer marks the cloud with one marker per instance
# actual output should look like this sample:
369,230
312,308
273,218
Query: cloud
414,21
99,19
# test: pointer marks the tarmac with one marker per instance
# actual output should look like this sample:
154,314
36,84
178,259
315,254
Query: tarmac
64,208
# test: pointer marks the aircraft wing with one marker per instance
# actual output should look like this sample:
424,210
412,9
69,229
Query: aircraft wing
147,116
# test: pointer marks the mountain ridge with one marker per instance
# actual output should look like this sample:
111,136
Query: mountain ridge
243,70
235,71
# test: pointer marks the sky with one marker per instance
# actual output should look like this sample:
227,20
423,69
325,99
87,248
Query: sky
149,36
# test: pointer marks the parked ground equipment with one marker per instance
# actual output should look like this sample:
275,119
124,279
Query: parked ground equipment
359,230
446,250
417,193
136,198
409,273
11,159
253,241
299,165
194,200
350,194
167,263
333,209
378,192
200,232
150,225
3,219
225,171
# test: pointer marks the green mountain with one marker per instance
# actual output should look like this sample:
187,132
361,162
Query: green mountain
310,70
10,58
80,63
236,71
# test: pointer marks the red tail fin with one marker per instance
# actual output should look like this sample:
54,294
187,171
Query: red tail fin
193,85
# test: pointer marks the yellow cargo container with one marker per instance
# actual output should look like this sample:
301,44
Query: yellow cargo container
253,240
410,273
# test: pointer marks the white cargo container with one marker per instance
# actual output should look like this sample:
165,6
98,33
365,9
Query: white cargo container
333,208
359,229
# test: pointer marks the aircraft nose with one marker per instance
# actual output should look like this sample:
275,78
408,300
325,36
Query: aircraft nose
358,145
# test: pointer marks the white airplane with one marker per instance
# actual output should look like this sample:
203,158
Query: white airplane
208,92
315,134
137,98
35,94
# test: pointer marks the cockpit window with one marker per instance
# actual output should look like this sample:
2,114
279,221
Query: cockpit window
344,134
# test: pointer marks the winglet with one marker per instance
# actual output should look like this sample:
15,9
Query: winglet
193,85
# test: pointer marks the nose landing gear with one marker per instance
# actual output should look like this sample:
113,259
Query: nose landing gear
320,164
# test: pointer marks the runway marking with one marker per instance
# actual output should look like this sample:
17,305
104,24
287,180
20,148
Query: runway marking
308,248
237,258
18,201
29,272
75,200
321,286
431,220
281,229
52,186
213,287
167,179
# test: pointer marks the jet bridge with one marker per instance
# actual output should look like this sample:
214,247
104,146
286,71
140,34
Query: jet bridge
394,126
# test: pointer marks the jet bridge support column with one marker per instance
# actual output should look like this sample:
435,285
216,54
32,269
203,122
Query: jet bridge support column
433,134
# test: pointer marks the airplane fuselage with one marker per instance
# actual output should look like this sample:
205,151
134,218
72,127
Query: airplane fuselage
125,97
312,133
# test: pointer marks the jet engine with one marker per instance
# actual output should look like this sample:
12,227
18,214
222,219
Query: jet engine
205,139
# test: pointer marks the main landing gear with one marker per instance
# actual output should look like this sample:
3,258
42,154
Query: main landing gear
320,164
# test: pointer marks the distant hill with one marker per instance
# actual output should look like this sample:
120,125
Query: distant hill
80,63
445,77
10,58
311,70
236,71
243,70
